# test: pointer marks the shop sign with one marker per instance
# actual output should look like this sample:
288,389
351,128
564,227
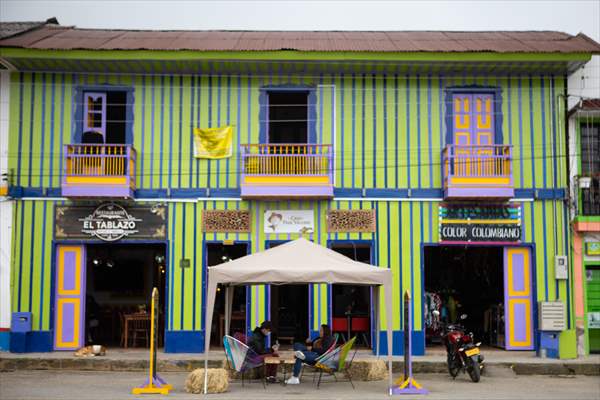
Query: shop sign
289,221
594,320
489,224
592,248
111,222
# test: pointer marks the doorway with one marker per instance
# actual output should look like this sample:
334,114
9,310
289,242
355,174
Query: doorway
289,313
119,283
218,253
592,280
491,285
351,304
98,286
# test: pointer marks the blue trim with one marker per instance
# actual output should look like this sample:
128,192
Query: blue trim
263,111
20,122
78,107
4,340
31,126
184,341
418,343
474,89
31,342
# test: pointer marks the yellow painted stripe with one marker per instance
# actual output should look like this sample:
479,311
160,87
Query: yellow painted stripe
101,180
287,179
481,181
480,221
59,326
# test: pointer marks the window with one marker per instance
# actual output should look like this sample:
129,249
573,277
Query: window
590,166
472,119
288,117
590,149
104,117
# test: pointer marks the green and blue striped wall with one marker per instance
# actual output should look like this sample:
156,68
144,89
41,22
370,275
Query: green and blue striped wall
403,228
389,129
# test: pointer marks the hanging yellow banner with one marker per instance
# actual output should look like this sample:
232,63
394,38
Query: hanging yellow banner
213,143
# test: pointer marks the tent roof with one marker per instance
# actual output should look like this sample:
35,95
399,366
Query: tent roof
298,261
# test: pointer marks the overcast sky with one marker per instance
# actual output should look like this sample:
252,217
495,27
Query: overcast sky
569,16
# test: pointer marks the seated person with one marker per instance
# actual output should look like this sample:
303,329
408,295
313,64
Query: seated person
303,355
258,342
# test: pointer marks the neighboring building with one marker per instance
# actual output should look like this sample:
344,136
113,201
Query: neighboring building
7,30
584,170
436,154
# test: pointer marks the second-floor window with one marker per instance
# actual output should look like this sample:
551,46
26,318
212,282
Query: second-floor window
104,117
473,119
590,167
288,117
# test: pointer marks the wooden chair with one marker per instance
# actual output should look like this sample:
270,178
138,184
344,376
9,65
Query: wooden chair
242,358
336,362
139,329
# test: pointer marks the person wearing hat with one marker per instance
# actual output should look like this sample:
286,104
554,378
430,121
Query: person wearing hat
258,343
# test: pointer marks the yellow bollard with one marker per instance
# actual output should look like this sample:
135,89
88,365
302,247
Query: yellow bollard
154,384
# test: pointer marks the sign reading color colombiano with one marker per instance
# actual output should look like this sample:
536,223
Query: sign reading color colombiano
111,222
489,224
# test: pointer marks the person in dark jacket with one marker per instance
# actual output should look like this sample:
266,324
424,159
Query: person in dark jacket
258,343
303,354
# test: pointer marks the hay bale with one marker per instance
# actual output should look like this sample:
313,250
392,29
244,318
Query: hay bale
218,381
368,370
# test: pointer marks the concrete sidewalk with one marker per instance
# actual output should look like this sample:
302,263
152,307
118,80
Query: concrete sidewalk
87,385
118,359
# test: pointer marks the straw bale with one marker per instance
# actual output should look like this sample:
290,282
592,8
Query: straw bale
218,381
368,370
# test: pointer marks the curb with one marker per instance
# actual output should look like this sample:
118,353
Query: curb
419,367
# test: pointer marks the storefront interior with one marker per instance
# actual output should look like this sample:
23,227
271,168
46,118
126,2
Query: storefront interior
464,280
352,304
218,253
289,313
119,283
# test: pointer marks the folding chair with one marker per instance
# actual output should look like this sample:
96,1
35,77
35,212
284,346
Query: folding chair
241,357
335,362
322,356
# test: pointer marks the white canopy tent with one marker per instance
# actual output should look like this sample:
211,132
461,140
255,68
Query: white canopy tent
297,262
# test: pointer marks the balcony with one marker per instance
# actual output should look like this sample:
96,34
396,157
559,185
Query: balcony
99,170
477,172
286,171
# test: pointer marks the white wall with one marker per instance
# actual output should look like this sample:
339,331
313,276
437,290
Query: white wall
6,206
585,82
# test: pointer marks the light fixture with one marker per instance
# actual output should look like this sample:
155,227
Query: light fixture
159,258
110,263
96,262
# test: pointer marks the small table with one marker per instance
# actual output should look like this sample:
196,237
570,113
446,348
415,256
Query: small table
271,361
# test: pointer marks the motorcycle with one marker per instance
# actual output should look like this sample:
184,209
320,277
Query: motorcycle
463,354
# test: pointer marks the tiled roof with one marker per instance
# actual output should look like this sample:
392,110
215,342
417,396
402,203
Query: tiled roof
54,37
9,29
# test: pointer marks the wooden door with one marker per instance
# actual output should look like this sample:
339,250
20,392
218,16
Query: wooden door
518,298
69,310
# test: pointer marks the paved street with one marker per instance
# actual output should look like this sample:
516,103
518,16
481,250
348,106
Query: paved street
499,384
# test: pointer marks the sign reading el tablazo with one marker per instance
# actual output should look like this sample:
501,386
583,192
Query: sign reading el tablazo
111,222
489,224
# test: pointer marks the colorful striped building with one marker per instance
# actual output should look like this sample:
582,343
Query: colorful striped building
439,155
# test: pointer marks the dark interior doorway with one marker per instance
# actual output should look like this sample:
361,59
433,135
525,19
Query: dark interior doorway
289,313
288,117
116,117
218,253
119,283
351,304
465,280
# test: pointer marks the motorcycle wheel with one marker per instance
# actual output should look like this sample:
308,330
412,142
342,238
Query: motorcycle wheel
453,369
474,370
